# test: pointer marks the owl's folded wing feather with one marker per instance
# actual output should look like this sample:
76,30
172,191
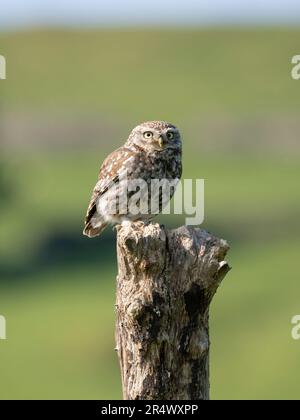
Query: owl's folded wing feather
113,168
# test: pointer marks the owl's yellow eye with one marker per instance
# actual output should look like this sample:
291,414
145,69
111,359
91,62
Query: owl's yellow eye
170,135
148,135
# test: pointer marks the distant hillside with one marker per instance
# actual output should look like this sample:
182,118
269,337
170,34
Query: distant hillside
174,74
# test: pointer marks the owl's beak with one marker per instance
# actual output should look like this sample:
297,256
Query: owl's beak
161,142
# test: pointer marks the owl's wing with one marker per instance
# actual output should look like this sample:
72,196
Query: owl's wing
100,189
112,170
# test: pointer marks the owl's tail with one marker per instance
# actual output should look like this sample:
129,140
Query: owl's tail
92,231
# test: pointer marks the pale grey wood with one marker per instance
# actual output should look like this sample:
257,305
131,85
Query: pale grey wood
166,281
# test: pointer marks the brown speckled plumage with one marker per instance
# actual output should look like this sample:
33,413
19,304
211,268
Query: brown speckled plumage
158,157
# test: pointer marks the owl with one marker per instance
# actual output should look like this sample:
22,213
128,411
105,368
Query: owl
152,152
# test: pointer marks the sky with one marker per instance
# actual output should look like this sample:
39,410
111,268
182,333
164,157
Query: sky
20,13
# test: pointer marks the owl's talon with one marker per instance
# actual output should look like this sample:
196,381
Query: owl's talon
116,228
126,224
140,223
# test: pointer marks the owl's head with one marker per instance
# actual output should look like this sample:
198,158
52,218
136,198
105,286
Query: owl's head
155,136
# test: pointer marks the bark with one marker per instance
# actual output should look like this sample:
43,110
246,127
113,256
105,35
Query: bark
165,285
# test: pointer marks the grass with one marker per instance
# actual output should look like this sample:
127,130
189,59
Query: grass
174,74
60,331
60,337
253,354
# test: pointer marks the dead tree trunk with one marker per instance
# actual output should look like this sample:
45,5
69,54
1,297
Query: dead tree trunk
165,285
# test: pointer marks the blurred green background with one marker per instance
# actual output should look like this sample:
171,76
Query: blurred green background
72,96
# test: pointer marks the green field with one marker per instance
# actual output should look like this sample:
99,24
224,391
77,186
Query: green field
69,99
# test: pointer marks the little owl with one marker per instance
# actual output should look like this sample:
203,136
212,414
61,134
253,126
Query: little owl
152,152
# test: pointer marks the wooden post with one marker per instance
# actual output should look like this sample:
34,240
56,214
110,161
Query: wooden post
165,284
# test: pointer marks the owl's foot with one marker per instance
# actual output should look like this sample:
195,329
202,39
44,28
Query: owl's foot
116,228
141,224
126,223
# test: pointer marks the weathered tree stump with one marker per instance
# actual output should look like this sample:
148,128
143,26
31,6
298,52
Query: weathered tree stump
165,285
